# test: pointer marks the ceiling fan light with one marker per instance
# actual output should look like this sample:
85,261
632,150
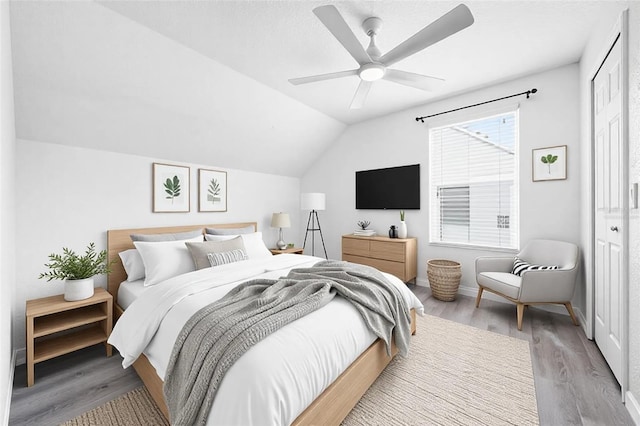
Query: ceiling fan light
371,72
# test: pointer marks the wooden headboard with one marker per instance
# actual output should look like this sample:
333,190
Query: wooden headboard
119,240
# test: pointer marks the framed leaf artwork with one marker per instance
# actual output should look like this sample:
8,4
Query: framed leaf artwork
212,191
171,188
549,163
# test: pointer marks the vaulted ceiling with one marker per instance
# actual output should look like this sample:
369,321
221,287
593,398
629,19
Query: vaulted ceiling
207,82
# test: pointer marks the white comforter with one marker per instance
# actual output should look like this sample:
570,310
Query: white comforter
273,382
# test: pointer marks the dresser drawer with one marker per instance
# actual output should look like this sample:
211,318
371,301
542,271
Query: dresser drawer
356,247
393,268
387,251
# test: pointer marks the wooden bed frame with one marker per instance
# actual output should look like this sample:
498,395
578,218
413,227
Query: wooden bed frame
331,407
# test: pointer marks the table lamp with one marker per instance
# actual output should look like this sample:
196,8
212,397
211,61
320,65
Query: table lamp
280,220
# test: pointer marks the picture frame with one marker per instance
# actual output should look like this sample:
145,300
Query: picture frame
549,163
171,188
212,190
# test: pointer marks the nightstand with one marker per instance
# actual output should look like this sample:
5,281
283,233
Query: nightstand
56,327
287,250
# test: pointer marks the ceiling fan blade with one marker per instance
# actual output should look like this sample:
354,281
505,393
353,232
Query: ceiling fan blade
448,24
322,77
361,94
419,81
336,24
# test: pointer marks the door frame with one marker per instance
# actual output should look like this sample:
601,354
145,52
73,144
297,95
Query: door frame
620,33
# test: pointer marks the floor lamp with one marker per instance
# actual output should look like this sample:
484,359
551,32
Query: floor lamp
313,201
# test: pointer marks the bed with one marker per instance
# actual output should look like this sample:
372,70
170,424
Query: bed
330,407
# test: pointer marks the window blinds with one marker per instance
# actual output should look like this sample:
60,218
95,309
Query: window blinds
473,174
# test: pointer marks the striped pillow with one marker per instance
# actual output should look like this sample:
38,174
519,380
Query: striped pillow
222,258
519,266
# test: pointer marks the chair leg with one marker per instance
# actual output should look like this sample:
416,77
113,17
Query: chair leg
479,296
571,314
520,309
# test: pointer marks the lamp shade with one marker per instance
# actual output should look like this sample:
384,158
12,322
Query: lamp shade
312,201
280,220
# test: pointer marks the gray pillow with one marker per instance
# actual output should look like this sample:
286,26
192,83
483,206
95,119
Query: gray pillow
200,251
230,231
226,257
166,237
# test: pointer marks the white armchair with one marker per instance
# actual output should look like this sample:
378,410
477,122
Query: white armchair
533,286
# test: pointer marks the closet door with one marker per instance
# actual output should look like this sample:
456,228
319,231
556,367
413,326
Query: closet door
609,209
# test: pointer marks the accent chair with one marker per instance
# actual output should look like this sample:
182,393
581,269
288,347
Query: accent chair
543,272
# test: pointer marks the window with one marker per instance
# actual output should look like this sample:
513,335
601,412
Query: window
473,182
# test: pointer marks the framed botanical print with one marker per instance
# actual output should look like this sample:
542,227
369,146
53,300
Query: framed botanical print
171,188
549,163
212,191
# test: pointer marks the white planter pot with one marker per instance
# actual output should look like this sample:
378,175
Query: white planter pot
78,289
402,230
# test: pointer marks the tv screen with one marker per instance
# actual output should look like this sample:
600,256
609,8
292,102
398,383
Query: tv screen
391,188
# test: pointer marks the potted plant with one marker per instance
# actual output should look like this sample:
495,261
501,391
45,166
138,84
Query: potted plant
77,271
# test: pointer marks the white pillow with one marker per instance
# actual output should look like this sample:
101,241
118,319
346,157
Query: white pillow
164,260
253,244
133,264
218,238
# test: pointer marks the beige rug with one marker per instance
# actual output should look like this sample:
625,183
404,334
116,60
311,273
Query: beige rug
135,408
454,375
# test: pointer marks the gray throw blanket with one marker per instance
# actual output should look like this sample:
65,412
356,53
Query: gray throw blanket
217,335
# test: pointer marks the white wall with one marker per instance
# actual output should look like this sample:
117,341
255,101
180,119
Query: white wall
592,57
7,216
547,209
69,196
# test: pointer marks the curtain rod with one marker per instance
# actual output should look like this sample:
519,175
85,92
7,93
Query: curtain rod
528,93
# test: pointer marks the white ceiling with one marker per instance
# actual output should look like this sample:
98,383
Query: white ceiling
206,82
272,41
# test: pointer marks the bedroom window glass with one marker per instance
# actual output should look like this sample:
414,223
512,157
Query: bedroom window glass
473,182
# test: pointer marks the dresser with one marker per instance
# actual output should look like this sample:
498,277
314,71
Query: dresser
397,256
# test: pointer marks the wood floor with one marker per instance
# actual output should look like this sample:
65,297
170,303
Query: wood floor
574,385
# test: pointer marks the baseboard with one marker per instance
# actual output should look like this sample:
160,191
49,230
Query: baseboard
21,356
421,282
633,407
582,320
7,403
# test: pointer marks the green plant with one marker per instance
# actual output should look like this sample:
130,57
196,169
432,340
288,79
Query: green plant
549,160
214,191
401,215
363,224
72,266
172,188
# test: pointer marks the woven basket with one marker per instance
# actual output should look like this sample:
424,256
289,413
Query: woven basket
444,278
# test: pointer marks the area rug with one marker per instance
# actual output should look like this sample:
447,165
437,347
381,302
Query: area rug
135,408
454,375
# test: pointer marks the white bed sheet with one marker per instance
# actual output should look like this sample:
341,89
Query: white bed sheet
130,291
273,382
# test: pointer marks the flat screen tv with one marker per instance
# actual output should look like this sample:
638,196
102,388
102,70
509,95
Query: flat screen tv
395,188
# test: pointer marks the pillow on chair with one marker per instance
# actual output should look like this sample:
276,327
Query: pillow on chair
519,266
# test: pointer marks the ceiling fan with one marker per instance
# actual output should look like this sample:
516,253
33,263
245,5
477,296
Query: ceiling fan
375,66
